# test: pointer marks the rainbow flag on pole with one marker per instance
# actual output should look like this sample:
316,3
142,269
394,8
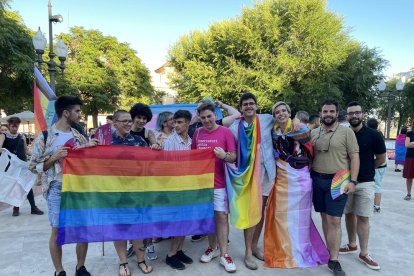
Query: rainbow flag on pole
44,103
243,182
123,193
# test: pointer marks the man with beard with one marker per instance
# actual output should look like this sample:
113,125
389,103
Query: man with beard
49,149
335,148
358,207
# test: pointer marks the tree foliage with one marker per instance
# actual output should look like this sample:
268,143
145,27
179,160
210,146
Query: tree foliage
105,73
293,50
16,62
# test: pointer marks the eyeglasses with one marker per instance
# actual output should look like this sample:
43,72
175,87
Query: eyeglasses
249,104
125,122
350,114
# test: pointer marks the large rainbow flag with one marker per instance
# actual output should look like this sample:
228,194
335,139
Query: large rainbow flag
123,193
243,181
44,103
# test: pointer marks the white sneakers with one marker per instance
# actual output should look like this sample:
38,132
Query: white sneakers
209,254
228,264
225,260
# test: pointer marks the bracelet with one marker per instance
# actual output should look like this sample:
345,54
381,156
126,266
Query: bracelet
225,157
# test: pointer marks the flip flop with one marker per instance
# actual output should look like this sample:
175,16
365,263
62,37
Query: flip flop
146,267
124,266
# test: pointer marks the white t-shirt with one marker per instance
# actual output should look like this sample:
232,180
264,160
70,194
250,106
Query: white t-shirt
61,139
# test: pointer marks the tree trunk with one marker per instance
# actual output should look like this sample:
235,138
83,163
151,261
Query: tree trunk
95,118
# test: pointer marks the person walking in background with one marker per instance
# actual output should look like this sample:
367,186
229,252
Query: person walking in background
16,144
379,171
400,149
408,172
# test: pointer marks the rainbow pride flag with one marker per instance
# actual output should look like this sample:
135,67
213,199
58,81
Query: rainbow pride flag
123,193
44,103
243,181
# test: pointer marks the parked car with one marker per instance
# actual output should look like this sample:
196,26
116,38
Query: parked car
390,146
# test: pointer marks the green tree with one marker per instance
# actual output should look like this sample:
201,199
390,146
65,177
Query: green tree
293,50
105,73
16,62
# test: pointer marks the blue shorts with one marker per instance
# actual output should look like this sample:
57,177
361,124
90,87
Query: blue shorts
379,175
322,199
53,202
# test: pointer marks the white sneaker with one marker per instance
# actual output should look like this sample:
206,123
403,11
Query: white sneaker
209,254
228,264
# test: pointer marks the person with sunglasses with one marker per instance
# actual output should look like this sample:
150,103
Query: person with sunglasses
335,148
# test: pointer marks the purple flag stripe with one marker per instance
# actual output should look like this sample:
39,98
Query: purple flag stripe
100,233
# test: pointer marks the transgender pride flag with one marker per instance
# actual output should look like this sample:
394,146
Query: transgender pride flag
114,193
44,103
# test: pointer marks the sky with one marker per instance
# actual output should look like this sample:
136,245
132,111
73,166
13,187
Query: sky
152,26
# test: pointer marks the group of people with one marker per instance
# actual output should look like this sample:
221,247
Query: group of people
295,164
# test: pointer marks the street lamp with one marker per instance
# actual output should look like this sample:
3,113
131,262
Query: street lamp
390,99
39,43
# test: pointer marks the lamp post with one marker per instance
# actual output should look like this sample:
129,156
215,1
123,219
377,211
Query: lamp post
390,100
39,43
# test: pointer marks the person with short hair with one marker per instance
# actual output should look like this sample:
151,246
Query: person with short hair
314,121
179,140
358,208
379,171
335,148
47,158
220,139
342,118
289,207
408,172
302,116
141,114
4,128
122,136
110,119
15,143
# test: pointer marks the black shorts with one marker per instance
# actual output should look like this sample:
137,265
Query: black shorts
322,198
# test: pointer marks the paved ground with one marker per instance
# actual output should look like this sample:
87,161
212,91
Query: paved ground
24,245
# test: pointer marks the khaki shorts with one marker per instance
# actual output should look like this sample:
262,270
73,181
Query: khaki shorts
361,201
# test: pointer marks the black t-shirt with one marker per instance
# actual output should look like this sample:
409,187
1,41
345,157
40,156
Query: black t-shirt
410,151
370,143
141,134
15,146
193,127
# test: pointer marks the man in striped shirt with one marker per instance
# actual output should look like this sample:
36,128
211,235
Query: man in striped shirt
179,140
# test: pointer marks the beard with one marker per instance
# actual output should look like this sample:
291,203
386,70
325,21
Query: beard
355,122
328,123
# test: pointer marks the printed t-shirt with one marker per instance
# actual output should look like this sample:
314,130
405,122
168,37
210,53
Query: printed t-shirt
220,137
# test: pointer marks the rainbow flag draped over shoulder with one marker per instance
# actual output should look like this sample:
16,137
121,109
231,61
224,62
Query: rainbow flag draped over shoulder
243,182
123,193
44,103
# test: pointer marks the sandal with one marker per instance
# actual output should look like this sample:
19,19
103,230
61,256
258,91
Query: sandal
407,197
125,268
146,267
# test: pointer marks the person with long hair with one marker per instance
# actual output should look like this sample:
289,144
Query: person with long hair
400,149
408,172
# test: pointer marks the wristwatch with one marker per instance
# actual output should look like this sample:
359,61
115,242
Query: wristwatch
354,181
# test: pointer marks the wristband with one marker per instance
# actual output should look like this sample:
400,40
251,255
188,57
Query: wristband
354,181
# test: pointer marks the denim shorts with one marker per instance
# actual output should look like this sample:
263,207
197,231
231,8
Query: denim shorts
322,198
53,202
379,175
